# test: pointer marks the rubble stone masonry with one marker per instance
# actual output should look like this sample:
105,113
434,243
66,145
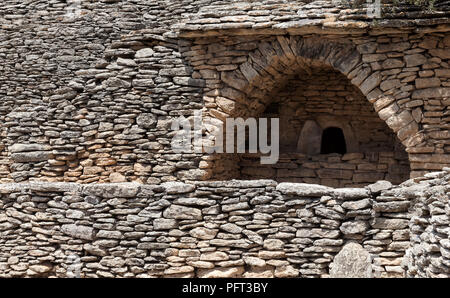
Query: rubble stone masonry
89,182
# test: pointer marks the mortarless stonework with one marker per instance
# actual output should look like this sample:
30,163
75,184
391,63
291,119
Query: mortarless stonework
88,95
221,229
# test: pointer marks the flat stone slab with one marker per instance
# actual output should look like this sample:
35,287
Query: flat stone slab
353,261
304,190
112,190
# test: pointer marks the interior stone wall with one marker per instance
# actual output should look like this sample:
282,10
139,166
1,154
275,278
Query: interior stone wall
330,100
215,229
429,251
335,170
90,97
403,77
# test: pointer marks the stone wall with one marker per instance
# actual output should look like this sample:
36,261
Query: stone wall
404,76
429,252
335,170
90,96
208,229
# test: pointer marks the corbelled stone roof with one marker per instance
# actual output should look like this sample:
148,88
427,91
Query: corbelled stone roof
272,16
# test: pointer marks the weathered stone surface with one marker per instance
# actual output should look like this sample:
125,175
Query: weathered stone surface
182,212
229,272
354,227
203,233
356,205
28,147
32,156
117,190
177,187
389,223
379,186
415,60
304,190
144,53
88,103
164,224
353,261
77,231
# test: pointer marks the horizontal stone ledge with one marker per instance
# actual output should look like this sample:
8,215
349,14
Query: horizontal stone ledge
16,148
112,190
408,189
304,190
33,156
437,92
237,183
40,186
196,31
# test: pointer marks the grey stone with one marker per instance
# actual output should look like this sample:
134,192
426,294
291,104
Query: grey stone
33,156
77,231
144,53
164,224
146,120
28,147
116,190
177,187
354,227
379,186
353,261
182,212
304,190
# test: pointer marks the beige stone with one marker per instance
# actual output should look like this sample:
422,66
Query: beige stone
427,83
228,272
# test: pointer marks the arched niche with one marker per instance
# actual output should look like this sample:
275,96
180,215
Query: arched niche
310,139
258,82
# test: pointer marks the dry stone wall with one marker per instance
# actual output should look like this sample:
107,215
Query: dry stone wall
90,96
429,252
404,77
335,170
215,229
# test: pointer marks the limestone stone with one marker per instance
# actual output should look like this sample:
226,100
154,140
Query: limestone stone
182,212
286,272
304,190
144,53
164,224
121,190
203,233
427,83
370,83
254,261
117,178
379,186
177,187
389,223
354,227
78,231
33,156
353,261
214,256
415,60
228,272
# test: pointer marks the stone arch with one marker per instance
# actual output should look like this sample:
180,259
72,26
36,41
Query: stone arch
245,91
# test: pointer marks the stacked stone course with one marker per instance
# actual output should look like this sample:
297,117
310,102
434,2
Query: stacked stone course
220,229
89,94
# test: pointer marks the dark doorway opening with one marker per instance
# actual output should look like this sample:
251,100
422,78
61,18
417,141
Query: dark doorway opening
333,141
